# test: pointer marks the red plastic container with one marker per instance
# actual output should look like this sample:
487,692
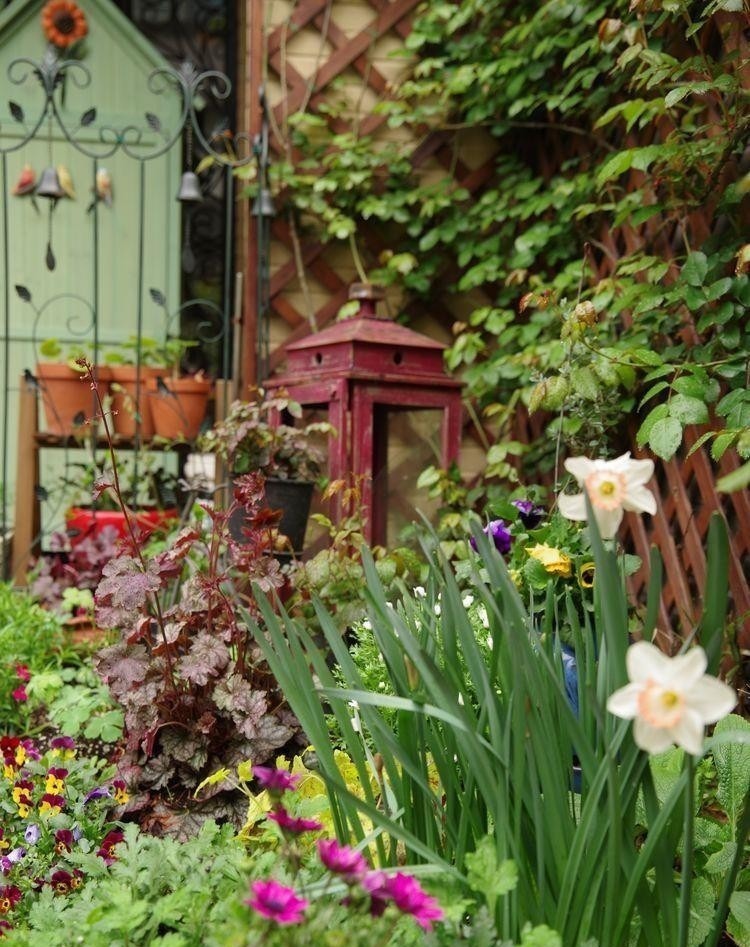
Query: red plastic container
82,522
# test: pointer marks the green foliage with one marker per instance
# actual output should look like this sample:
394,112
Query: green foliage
30,638
618,134
482,748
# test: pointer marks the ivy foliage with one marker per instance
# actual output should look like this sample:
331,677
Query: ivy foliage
619,178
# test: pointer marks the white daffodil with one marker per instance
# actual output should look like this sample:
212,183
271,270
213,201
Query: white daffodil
613,486
670,699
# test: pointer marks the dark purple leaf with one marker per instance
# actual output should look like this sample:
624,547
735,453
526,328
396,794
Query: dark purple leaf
23,293
88,117
158,297
207,656
16,111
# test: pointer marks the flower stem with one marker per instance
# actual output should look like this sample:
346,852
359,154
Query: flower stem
687,852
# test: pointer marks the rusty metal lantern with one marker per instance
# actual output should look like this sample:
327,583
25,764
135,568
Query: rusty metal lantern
365,371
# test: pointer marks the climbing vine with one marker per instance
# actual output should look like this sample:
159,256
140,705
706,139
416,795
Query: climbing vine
609,242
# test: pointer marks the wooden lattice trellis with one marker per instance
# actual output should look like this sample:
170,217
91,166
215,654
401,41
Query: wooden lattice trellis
346,49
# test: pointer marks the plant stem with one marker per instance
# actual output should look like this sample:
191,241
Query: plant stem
687,852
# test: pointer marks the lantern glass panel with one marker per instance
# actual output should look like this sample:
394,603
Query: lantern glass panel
406,441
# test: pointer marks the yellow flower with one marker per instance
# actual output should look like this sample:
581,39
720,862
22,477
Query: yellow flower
586,575
23,810
20,754
554,561
54,785
515,577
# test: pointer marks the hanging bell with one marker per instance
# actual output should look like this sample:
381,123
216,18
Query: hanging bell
49,185
263,204
190,189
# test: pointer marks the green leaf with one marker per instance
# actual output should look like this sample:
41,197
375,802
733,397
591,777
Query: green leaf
487,876
695,269
736,480
688,410
676,95
658,413
701,911
739,905
732,768
540,936
665,437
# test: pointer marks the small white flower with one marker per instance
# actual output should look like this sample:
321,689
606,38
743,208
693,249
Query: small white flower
460,698
381,686
437,609
367,624
670,699
613,486
489,642
420,592
468,600
483,617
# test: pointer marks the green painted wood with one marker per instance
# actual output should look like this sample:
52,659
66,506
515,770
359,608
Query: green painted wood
98,255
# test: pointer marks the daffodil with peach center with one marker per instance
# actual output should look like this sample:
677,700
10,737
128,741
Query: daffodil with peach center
670,700
606,490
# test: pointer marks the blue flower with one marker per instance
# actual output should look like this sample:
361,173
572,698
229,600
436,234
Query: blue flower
101,792
32,834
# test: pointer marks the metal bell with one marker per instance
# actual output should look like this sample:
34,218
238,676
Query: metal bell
263,204
49,185
190,189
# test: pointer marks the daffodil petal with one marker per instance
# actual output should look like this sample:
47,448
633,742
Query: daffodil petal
640,500
645,662
688,732
608,521
649,738
580,467
624,702
572,506
712,699
685,670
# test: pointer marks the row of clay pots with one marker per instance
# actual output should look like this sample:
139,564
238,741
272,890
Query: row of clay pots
168,407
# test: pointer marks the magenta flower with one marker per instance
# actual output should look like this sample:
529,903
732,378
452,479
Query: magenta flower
410,898
342,860
276,902
293,825
275,780
19,694
23,673
406,893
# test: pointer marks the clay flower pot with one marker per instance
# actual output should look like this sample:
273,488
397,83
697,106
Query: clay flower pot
130,399
67,398
178,406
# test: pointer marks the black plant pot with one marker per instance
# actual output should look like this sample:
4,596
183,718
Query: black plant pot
293,498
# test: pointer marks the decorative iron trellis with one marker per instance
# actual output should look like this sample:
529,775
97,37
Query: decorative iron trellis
144,142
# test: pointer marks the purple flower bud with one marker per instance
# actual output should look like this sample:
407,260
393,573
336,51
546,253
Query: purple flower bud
530,514
5,864
16,855
32,834
499,534
101,792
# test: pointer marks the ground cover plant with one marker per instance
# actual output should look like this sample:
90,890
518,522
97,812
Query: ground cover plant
494,772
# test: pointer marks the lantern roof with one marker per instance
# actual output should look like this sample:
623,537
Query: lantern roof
366,348
368,328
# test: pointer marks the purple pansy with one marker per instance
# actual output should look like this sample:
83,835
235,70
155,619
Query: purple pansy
529,513
499,534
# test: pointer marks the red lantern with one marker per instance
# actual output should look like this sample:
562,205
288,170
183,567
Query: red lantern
367,372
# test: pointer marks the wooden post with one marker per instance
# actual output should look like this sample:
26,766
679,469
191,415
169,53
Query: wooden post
27,522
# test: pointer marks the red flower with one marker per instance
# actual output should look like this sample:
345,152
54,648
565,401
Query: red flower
20,694
342,860
22,673
10,895
63,841
63,23
275,780
276,902
107,848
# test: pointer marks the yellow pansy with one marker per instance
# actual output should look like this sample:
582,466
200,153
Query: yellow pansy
554,561
586,575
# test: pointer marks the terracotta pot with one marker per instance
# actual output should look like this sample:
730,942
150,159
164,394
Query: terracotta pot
81,521
178,406
130,399
67,398
81,630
